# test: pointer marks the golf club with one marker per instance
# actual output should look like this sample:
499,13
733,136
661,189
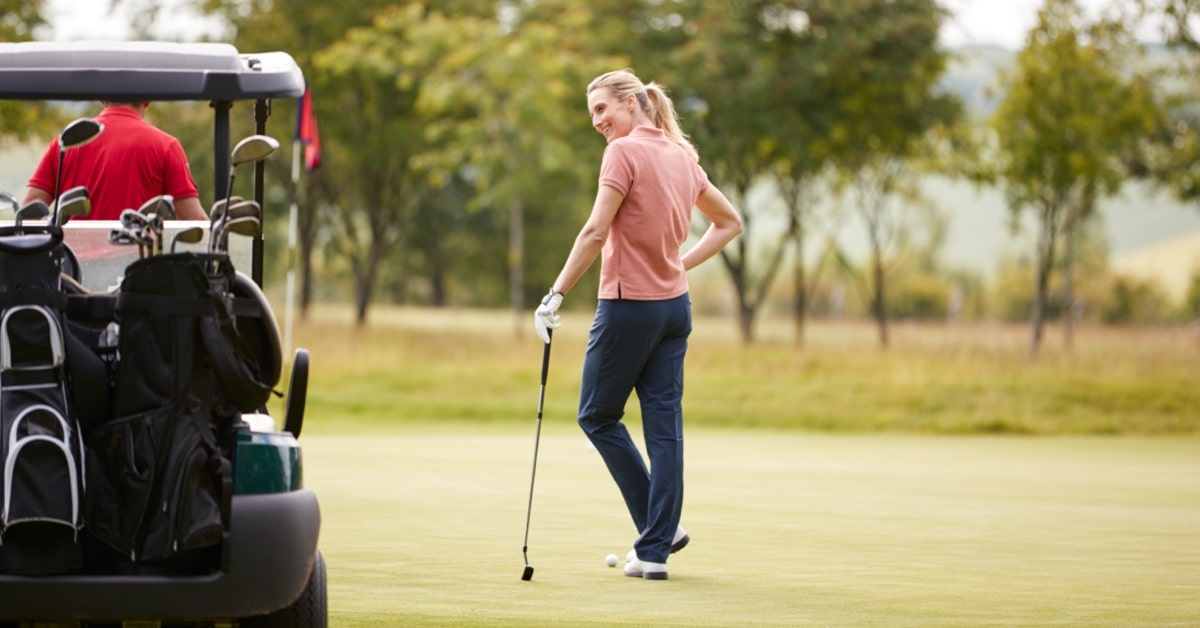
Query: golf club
244,225
228,211
126,236
11,200
190,235
74,202
249,149
218,207
36,210
76,134
137,224
528,573
162,205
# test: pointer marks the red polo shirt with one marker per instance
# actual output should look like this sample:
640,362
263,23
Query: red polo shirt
130,162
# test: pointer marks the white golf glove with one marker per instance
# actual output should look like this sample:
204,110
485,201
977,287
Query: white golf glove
546,316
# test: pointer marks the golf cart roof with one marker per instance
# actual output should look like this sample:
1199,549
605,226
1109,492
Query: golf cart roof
144,70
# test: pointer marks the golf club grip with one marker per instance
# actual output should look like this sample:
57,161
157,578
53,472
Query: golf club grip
546,356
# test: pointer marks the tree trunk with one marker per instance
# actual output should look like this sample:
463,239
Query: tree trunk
746,323
1069,291
878,301
1047,235
800,303
362,298
437,287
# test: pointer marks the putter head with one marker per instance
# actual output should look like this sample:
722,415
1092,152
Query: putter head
122,236
527,575
133,219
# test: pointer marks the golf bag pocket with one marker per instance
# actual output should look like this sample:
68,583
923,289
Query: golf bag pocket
121,461
41,447
156,485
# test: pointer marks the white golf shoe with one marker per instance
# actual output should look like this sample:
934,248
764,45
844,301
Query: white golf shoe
642,569
679,542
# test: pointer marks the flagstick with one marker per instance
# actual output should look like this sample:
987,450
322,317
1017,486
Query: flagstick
293,227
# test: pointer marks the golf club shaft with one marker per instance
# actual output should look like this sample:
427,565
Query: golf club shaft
536,442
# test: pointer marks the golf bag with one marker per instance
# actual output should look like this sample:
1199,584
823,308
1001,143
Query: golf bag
160,472
42,476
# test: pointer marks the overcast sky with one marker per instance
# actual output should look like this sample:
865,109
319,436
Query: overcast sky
1000,22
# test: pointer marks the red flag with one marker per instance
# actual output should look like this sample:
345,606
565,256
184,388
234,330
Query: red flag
306,131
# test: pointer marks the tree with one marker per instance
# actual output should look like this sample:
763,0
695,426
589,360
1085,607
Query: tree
18,20
890,119
304,28
505,101
781,91
1059,151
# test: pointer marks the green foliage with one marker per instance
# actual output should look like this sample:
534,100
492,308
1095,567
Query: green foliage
18,19
1191,304
921,296
1133,301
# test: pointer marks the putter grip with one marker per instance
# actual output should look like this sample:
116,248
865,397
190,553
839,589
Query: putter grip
546,356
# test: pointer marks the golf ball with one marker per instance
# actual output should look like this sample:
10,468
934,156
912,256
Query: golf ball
611,560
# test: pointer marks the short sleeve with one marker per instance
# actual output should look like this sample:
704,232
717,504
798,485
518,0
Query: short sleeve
616,168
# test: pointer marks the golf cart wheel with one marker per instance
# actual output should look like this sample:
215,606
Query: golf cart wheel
309,611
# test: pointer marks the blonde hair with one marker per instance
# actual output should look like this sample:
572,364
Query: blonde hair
653,100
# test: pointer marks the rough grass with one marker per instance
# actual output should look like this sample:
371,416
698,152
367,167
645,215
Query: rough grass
422,366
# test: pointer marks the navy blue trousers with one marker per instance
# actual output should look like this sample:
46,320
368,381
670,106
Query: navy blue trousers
640,345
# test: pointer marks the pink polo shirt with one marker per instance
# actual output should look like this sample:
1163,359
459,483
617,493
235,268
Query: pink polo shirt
661,182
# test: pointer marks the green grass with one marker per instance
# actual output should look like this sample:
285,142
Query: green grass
424,526
838,484
424,366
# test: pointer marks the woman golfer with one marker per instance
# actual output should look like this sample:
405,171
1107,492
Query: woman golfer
650,179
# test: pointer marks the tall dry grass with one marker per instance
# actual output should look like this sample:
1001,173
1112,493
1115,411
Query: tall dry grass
426,365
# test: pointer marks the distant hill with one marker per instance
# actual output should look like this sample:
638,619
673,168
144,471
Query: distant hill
1171,262
972,74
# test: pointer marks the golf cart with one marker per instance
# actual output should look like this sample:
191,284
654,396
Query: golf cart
235,539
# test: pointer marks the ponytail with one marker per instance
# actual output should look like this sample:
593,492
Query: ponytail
663,115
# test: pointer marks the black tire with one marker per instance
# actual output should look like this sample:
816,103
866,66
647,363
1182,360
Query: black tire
309,611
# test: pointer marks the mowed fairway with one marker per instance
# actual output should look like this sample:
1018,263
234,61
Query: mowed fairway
424,526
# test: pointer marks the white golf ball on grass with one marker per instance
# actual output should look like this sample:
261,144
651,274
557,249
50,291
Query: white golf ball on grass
611,560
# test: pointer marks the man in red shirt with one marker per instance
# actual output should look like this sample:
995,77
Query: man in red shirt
129,163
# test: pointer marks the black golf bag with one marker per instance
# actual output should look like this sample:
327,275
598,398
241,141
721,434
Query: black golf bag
42,475
160,472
